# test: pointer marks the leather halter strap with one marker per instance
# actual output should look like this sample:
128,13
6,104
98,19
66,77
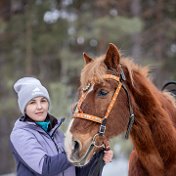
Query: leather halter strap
93,118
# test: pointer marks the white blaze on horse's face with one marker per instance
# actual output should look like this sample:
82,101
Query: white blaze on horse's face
68,141
73,146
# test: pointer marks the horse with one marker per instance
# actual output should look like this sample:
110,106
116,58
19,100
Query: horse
118,96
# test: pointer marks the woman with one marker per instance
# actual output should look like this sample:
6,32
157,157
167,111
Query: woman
37,143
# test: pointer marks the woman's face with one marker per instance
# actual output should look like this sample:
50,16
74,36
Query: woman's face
37,108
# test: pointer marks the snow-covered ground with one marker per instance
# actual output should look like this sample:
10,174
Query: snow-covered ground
116,168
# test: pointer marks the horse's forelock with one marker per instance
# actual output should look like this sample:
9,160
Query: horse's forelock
93,71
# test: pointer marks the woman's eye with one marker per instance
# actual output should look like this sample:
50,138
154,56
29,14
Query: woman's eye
31,102
44,100
102,92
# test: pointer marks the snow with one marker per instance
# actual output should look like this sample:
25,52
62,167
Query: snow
116,168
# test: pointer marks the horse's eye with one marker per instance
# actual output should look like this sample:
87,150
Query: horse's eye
102,92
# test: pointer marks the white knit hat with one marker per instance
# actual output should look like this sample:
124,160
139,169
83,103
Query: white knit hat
28,88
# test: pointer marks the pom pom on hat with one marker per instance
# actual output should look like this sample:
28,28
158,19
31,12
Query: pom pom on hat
28,88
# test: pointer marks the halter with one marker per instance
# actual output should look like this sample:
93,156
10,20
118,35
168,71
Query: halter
102,120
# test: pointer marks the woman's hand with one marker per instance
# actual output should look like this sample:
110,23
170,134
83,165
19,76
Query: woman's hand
108,155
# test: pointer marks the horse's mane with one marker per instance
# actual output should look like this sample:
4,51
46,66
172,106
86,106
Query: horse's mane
154,110
95,69
131,67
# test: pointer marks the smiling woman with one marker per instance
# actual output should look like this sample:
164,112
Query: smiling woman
37,143
37,108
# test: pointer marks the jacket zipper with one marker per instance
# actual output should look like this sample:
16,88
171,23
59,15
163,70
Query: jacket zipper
52,138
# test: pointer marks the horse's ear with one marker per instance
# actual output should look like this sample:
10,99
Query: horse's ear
112,58
86,58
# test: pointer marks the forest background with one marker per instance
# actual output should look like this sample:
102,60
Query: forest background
46,39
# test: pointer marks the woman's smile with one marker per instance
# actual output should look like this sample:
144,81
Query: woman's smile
37,109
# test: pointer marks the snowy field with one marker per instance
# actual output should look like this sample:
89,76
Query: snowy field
116,168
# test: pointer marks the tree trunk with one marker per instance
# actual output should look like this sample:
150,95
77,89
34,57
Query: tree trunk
136,38
28,63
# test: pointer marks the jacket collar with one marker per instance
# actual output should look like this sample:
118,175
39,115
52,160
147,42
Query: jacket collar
25,121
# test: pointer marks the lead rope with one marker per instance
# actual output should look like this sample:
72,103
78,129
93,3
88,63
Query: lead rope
97,167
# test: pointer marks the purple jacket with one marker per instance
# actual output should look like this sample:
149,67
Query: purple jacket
38,152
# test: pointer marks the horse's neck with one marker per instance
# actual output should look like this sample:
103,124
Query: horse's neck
153,133
144,144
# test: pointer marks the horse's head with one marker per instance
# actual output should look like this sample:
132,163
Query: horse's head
103,108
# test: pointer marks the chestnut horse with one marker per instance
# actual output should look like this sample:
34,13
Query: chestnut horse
117,96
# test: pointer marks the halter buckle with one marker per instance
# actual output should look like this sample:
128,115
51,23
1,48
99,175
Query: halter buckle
94,141
102,130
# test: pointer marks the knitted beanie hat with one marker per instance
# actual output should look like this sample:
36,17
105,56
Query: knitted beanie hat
28,88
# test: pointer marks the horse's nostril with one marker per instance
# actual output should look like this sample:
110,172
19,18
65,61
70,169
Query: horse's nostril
76,145
75,150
